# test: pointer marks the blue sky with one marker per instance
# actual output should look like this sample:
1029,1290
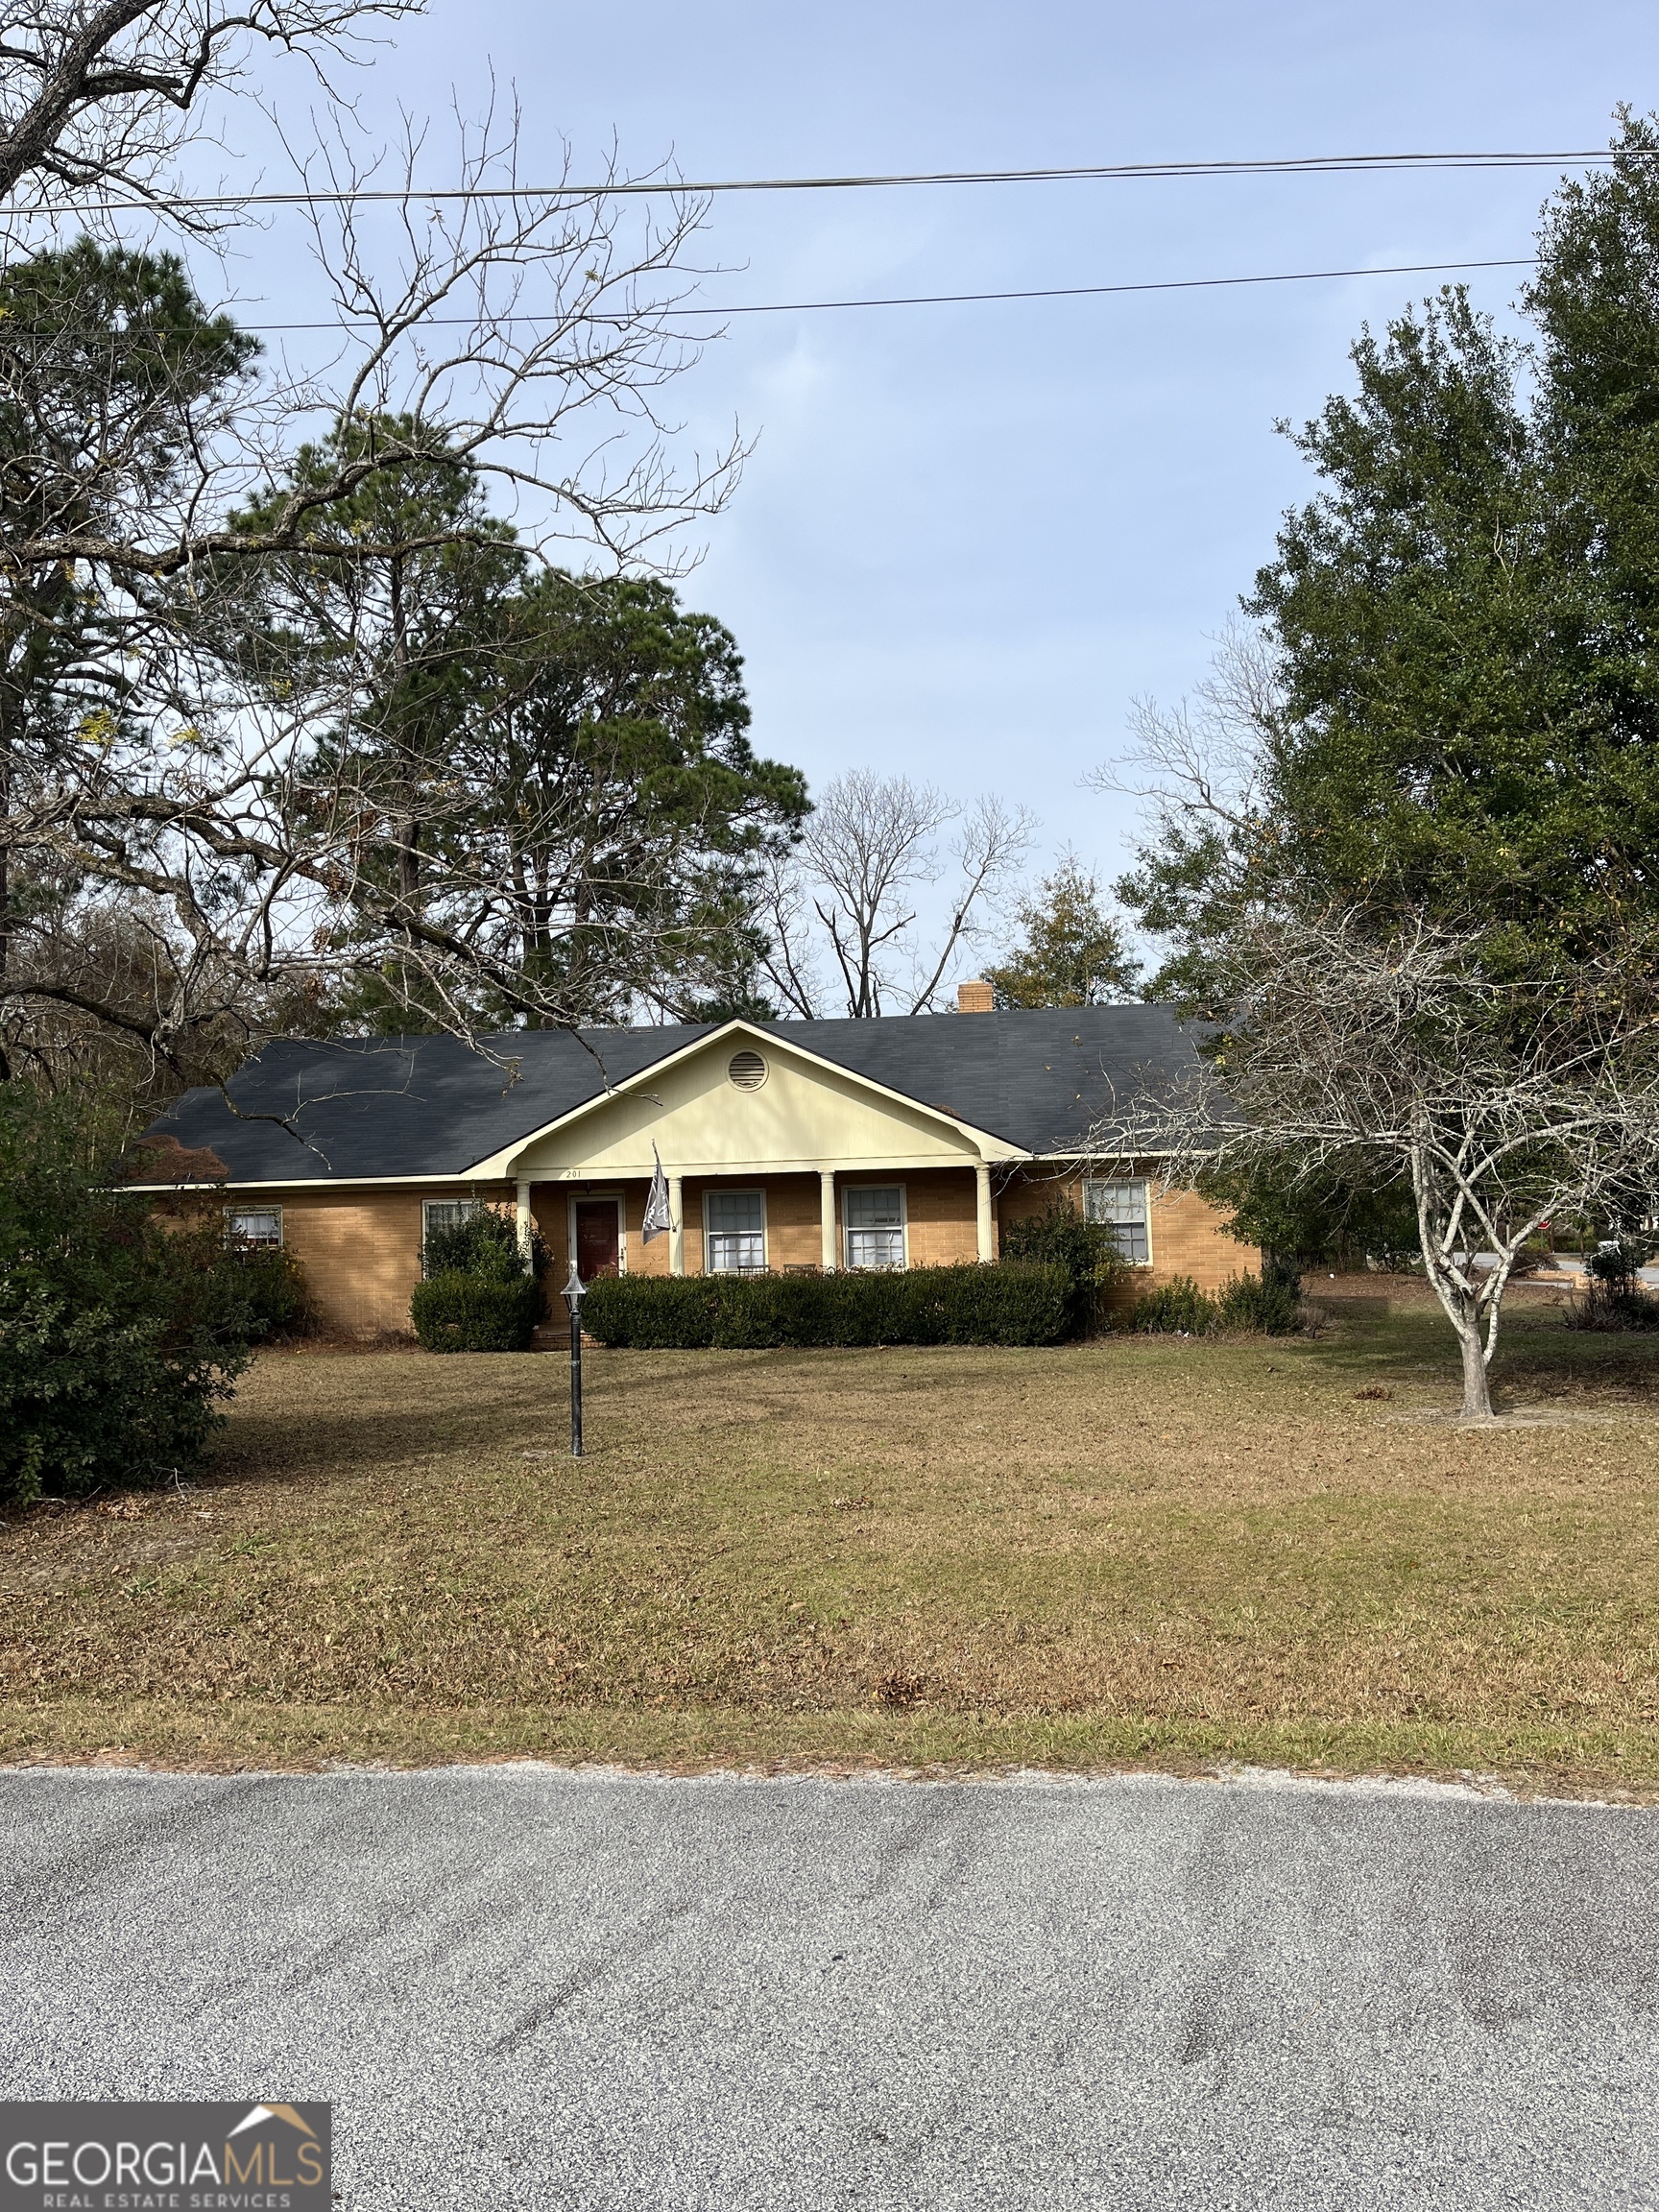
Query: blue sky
970,535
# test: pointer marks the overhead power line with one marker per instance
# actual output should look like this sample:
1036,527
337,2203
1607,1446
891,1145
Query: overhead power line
1114,172
715,311
1102,291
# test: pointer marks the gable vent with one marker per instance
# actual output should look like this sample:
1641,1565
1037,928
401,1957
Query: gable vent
746,1070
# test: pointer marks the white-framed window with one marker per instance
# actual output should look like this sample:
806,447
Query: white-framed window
733,1232
259,1226
1122,1208
873,1217
445,1213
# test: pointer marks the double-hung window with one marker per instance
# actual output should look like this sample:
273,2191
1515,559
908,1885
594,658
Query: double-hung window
257,1227
439,1214
1122,1209
445,1213
737,1231
874,1215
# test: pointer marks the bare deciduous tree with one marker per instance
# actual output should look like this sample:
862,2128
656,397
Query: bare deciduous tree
155,472
1394,1055
852,894
96,102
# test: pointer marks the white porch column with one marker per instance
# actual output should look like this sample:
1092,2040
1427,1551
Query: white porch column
676,1226
526,1219
826,1219
987,1225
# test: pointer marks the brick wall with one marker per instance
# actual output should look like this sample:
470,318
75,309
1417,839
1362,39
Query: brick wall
1187,1235
360,1250
943,1208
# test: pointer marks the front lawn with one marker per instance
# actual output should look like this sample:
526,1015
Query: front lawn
1156,1553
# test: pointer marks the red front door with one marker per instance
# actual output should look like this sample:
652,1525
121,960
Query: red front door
595,1238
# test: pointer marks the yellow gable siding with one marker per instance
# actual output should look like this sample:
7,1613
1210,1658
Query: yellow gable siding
802,1116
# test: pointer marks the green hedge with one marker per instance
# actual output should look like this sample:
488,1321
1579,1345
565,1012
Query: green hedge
458,1312
966,1305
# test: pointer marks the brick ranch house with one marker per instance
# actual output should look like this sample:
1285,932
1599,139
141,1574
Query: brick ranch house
897,1143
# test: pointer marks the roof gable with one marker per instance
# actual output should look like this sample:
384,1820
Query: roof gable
809,1111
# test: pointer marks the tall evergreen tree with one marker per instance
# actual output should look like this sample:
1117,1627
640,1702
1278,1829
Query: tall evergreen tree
1073,952
1453,705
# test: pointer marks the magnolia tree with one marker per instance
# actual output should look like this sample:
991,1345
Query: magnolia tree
1396,1057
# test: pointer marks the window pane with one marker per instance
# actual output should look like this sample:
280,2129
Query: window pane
736,1210
872,1206
735,1252
256,1224
1122,1209
448,1213
874,1247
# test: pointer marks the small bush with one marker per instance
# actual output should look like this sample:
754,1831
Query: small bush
1613,1302
274,1286
1012,1303
486,1243
1616,1266
1267,1305
460,1312
1175,1309
1534,1254
1060,1236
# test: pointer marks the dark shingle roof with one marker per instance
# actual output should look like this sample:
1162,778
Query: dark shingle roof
379,1108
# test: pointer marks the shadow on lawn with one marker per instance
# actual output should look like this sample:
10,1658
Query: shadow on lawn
366,1415
370,1416
1538,1356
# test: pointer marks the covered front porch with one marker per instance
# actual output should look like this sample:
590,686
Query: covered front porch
738,1222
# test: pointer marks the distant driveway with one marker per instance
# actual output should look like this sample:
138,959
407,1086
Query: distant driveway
522,1987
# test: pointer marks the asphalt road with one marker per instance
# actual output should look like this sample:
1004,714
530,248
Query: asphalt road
522,1987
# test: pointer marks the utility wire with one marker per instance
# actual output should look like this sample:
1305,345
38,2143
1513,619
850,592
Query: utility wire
1306,165
714,311
1102,291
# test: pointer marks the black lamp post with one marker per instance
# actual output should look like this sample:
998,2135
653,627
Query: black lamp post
575,1290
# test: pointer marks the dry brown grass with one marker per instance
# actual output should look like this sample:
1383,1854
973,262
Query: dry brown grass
1142,1553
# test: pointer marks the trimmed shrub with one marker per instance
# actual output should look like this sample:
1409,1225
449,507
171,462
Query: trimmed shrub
477,1294
1012,1303
652,1313
460,1312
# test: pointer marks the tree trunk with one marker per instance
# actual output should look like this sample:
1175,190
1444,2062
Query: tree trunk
5,881
1476,1393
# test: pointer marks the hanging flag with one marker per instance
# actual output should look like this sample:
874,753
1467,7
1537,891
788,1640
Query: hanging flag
659,1220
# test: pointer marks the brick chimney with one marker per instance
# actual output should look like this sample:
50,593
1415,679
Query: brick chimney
973,997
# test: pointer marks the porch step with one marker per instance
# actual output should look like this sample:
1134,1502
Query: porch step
555,1337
